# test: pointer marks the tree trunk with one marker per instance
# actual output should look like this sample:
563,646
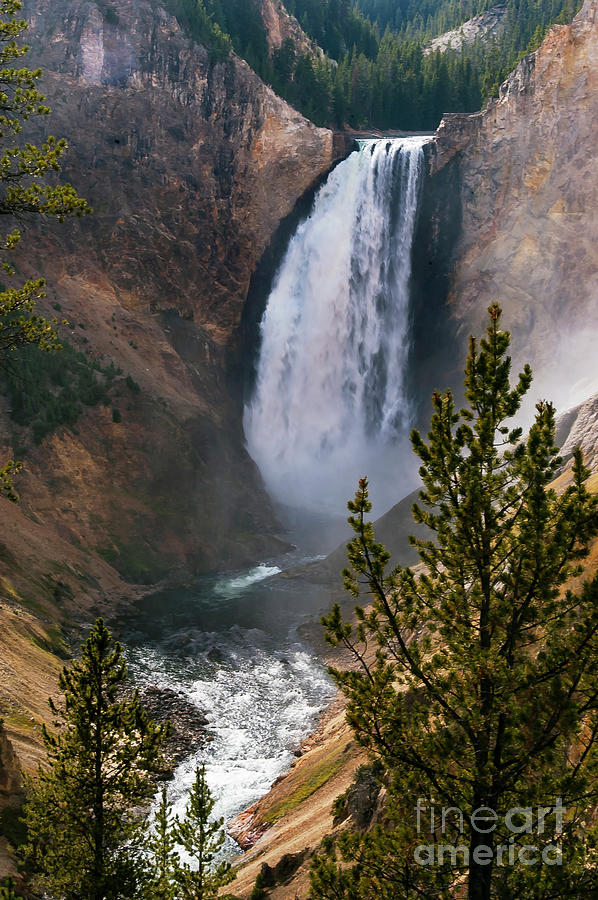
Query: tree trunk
480,876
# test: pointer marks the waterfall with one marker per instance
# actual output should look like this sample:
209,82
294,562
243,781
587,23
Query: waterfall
331,401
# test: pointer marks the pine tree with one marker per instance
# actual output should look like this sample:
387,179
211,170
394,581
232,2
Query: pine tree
477,683
84,812
23,193
7,890
164,859
201,838
7,472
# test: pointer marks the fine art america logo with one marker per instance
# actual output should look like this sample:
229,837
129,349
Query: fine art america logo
519,822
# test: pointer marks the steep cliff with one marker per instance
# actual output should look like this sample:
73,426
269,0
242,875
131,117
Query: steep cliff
189,166
527,178
281,27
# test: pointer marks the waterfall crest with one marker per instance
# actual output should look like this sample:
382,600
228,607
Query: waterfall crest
331,400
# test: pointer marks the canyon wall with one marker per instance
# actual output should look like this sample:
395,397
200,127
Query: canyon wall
189,166
527,176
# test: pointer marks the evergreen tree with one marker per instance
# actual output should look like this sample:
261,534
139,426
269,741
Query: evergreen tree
22,194
84,812
414,91
477,676
6,483
201,838
7,890
164,859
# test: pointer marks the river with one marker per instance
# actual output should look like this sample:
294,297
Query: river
231,645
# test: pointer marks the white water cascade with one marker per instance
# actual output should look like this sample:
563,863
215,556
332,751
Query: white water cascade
331,402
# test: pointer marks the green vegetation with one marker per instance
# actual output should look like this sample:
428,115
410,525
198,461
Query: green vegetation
161,847
201,838
479,688
85,830
259,888
84,811
11,824
7,890
375,73
111,16
132,385
23,168
315,778
336,25
137,561
425,18
48,390
370,774
53,642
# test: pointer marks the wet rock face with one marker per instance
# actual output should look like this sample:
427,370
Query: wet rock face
188,725
528,175
434,361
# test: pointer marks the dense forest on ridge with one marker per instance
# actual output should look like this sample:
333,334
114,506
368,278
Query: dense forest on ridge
375,71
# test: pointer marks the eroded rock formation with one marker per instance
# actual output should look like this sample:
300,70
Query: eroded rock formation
281,27
528,181
487,25
189,167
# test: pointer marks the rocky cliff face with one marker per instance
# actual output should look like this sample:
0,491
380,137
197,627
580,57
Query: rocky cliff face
528,190
487,25
189,167
579,428
281,27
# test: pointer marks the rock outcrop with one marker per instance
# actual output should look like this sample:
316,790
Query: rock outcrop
487,25
579,428
188,725
189,167
528,181
10,774
281,27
